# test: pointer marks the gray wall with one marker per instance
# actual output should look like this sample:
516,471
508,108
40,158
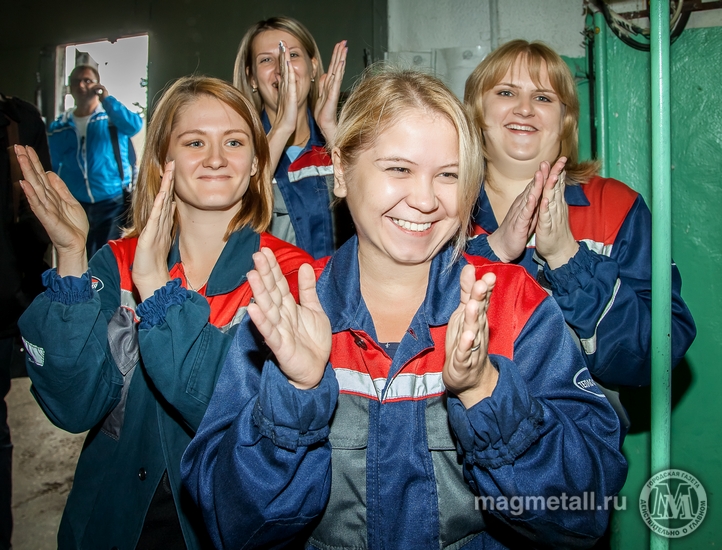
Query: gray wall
185,36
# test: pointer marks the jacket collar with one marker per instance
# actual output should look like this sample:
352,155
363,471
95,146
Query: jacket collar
315,139
233,264
484,215
340,292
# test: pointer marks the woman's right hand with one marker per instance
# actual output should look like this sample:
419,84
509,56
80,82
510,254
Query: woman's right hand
58,211
509,240
287,107
299,335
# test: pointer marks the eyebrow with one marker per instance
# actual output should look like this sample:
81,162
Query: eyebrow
402,159
512,85
203,132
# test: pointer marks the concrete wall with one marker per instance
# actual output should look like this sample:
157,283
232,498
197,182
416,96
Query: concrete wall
185,36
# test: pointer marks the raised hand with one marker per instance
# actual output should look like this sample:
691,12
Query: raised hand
150,266
298,334
509,240
287,106
554,240
57,210
329,87
468,372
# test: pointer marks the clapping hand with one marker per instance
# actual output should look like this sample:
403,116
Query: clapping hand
150,265
299,335
58,211
554,240
468,372
329,87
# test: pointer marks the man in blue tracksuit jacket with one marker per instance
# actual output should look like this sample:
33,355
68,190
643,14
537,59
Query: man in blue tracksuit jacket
374,460
89,150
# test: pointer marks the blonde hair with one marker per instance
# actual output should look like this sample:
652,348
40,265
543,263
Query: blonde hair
257,204
244,66
537,56
383,96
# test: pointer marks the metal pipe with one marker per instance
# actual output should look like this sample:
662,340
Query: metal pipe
661,245
600,92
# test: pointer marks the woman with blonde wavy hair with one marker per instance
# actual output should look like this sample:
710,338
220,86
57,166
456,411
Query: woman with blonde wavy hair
411,387
586,239
129,345
279,67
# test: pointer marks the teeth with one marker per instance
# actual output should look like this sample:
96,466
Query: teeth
520,127
411,226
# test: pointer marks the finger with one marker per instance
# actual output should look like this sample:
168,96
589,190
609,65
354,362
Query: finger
267,329
58,185
271,314
278,276
30,174
307,295
262,263
467,280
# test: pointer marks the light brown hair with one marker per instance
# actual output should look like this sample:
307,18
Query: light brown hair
537,56
257,203
383,96
243,68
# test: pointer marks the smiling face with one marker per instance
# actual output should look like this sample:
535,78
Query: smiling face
214,157
402,191
266,71
523,119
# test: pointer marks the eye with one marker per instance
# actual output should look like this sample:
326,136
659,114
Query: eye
449,177
264,60
398,170
505,93
543,99
234,143
295,54
195,143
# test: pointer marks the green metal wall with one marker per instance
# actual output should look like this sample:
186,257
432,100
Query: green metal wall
696,94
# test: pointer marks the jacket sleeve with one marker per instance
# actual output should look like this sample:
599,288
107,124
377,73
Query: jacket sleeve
607,302
182,351
545,432
261,448
127,122
74,376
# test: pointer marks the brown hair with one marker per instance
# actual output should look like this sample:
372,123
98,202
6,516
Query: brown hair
537,56
243,68
381,98
80,68
257,203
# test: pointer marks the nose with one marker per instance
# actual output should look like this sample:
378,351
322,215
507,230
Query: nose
524,106
215,157
422,195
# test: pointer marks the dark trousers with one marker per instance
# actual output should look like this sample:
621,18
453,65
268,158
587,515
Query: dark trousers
6,446
104,218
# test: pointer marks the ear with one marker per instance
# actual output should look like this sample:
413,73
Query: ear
250,77
339,181
314,65
254,166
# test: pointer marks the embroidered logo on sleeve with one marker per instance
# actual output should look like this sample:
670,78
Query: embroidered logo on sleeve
583,381
97,284
37,354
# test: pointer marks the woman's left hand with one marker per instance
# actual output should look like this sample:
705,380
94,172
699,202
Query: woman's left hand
329,91
468,372
150,266
554,239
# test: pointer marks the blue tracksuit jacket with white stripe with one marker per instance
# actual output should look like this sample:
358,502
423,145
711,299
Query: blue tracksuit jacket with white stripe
379,455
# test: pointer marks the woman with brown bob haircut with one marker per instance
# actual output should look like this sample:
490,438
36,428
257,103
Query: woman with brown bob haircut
586,239
129,345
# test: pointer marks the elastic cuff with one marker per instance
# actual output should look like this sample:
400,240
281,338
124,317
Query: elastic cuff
290,417
68,290
576,273
498,429
479,246
152,310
